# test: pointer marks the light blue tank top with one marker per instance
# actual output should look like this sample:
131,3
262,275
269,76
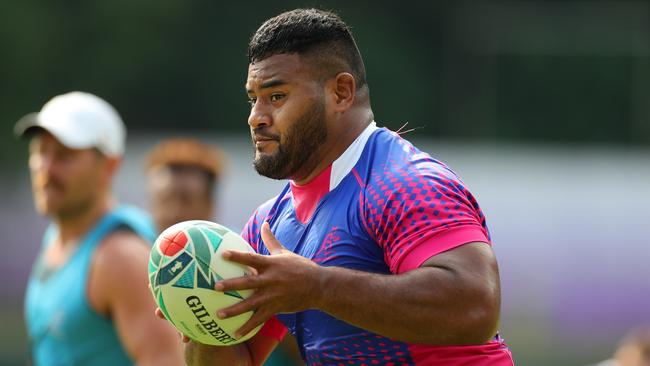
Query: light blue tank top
62,327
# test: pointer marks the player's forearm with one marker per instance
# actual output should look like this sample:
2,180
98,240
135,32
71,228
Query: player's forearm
428,305
197,354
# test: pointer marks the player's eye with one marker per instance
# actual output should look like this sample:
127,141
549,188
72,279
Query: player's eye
276,97
252,101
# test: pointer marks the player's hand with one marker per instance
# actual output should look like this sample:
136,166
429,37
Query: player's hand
161,315
285,283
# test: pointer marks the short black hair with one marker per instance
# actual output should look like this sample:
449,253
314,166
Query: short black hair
310,32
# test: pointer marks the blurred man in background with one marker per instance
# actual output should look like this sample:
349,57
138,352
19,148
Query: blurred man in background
87,301
183,175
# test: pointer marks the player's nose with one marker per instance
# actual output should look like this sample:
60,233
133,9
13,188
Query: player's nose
260,116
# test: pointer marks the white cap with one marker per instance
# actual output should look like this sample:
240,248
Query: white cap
79,121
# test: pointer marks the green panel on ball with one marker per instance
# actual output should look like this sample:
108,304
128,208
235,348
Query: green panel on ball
189,248
155,256
234,294
162,306
152,267
164,260
155,291
186,280
213,238
221,231
170,271
203,281
202,251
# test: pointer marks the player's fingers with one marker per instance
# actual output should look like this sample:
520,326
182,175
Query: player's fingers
159,313
250,259
249,304
259,317
185,338
238,283
272,244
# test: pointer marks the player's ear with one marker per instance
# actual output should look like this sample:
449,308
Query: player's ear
343,91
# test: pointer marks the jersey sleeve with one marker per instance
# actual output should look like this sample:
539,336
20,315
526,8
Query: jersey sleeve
251,231
274,328
419,211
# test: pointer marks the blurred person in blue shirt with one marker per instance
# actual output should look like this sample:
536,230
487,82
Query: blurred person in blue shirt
87,301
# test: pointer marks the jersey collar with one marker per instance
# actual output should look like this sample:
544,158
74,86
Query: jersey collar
307,196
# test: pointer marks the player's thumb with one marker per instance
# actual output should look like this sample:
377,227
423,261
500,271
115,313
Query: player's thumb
272,244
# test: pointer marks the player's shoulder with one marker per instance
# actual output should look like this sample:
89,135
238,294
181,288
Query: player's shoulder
120,250
123,237
271,206
134,219
263,210
118,268
395,161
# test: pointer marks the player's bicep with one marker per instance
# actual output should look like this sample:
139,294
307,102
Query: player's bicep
468,278
473,267
474,257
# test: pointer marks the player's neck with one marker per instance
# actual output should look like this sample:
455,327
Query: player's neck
73,226
334,147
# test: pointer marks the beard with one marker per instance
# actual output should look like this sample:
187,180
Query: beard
297,145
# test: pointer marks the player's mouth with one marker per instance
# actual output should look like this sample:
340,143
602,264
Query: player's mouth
261,144
49,186
264,141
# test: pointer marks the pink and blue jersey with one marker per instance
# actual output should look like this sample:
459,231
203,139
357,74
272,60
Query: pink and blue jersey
385,207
